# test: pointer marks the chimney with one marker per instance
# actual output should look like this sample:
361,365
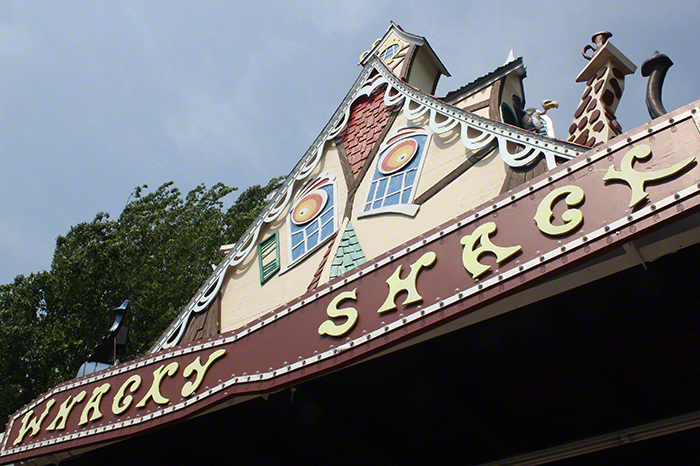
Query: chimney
594,119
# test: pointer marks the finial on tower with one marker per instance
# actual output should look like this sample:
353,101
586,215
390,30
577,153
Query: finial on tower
599,39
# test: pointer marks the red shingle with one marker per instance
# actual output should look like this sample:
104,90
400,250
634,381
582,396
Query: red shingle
367,119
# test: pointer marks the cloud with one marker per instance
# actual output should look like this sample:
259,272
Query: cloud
100,97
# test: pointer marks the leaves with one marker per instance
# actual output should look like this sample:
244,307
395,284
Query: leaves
156,254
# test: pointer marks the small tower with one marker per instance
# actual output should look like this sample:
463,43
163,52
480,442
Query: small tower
594,119
409,57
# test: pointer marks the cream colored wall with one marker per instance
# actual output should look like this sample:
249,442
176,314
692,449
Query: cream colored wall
484,112
244,299
477,97
478,184
423,72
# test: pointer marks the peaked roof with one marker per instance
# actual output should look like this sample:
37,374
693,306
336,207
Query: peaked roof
487,79
415,104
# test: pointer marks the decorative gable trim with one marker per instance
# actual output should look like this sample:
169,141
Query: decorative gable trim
475,133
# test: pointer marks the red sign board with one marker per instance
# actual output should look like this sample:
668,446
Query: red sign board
607,196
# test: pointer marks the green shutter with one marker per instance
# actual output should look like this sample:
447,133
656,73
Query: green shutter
269,257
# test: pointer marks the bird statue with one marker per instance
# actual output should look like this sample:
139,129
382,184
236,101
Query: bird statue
536,121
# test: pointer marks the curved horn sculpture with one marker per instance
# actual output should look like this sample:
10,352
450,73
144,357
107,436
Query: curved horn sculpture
656,68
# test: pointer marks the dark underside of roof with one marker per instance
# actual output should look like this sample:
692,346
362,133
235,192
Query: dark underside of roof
610,355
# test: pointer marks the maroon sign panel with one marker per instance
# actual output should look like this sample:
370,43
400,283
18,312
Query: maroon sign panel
610,194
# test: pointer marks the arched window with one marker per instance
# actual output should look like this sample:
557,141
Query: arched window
508,115
389,52
396,173
312,218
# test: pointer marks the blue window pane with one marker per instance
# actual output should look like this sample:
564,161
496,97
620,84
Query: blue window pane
391,200
311,229
410,178
377,204
415,162
326,230
395,184
297,237
406,196
381,188
298,251
368,206
312,240
370,197
327,216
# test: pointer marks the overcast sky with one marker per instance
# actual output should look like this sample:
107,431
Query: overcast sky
99,97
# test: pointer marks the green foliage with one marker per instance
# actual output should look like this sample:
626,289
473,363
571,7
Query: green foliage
24,352
156,254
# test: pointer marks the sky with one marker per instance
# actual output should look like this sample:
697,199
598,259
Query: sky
97,98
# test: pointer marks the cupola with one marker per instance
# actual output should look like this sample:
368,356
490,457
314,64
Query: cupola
409,57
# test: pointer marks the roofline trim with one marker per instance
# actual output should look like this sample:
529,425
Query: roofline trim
415,104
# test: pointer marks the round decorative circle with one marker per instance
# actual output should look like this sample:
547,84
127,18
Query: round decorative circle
398,157
309,207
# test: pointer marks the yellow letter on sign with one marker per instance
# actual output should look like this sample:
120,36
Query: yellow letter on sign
398,284
158,376
572,217
59,421
93,405
32,423
636,179
331,328
471,253
132,384
196,366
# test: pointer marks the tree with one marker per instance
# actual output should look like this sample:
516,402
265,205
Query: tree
156,254
24,353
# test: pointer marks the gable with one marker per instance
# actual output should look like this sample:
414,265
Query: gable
460,141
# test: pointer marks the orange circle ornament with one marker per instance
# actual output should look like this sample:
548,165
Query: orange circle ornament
309,207
398,157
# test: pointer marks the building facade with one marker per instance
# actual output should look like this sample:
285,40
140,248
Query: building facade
438,279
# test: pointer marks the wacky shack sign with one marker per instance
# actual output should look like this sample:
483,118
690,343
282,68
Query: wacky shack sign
607,196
